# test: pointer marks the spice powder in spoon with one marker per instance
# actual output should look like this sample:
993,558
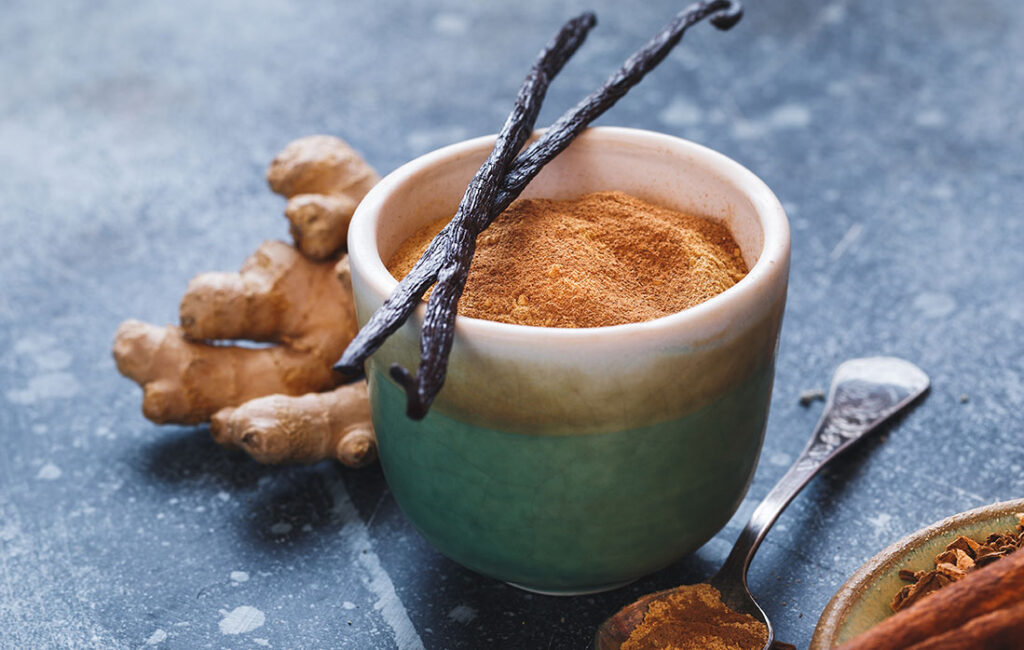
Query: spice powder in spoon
604,258
694,617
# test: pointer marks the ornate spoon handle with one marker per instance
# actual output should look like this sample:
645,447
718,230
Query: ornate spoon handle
864,393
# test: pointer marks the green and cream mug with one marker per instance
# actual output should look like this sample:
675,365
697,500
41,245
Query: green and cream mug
569,461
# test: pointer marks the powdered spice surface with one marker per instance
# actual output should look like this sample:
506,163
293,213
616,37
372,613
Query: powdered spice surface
605,258
695,618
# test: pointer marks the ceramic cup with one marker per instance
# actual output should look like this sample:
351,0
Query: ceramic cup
569,461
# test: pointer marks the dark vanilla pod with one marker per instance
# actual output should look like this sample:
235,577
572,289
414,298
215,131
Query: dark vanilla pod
403,300
499,182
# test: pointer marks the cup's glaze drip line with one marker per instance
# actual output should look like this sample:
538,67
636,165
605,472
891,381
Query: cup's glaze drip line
452,250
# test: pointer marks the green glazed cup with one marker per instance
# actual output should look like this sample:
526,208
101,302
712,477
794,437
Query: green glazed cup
568,461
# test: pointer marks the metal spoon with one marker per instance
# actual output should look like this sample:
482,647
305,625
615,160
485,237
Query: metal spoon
864,394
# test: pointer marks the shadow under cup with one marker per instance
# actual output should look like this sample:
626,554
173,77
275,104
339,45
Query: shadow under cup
570,461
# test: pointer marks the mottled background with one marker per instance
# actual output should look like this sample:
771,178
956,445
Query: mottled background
133,139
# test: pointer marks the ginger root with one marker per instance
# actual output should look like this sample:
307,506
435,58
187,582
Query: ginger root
305,429
324,179
266,400
279,296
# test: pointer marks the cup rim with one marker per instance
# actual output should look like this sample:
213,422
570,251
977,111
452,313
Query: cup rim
364,255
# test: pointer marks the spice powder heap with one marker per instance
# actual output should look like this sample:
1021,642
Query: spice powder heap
695,618
604,258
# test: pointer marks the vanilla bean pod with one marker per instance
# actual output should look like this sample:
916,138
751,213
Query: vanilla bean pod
723,13
406,296
439,325
479,196
440,262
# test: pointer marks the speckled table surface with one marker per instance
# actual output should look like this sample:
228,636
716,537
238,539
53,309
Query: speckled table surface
133,139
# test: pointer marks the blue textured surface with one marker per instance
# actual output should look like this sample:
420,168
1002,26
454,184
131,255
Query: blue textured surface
133,140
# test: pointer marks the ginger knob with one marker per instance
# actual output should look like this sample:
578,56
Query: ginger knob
305,429
324,179
279,296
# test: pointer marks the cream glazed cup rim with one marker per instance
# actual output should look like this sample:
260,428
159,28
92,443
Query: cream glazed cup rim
708,317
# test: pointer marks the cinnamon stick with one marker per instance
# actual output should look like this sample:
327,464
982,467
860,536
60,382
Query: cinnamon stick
999,587
1002,629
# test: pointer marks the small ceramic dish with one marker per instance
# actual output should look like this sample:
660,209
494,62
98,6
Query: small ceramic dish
863,601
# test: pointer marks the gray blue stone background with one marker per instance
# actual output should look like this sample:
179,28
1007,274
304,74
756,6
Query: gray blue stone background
133,140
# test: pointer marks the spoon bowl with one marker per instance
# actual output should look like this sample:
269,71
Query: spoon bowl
864,394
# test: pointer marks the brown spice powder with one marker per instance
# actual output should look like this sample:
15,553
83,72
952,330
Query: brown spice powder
605,258
695,618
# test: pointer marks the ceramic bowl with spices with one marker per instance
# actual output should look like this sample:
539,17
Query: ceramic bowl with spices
573,460
865,600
